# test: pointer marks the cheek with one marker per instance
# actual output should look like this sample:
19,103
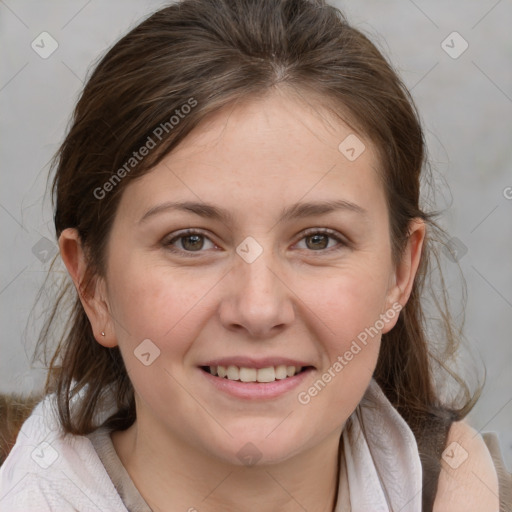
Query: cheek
160,304
347,307
351,301
154,301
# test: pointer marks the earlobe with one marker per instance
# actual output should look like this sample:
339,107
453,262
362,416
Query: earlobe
92,295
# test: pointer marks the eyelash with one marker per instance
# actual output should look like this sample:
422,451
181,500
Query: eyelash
308,232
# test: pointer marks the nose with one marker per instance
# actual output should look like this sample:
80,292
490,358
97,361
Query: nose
258,298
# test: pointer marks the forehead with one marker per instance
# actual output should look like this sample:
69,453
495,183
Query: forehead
264,152
282,123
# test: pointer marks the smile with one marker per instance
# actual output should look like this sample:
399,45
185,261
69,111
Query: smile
249,379
261,375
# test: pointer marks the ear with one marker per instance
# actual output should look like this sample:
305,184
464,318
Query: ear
92,295
402,279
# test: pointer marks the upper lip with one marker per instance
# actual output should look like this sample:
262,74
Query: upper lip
250,362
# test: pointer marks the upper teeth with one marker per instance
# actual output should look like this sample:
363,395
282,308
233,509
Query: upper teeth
269,374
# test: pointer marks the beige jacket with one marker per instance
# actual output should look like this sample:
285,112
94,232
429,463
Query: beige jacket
504,477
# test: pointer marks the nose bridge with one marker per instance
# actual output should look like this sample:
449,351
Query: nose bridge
258,301
256,277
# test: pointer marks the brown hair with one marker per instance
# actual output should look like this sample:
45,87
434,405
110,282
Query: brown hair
208,54
15,408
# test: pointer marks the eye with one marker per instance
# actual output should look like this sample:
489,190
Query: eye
187,242
319,239
192,241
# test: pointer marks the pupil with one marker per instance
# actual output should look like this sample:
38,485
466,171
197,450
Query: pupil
317,238
197,242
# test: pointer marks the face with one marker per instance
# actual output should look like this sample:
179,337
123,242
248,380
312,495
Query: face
250,281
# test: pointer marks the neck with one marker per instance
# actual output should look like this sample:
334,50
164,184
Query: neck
173,476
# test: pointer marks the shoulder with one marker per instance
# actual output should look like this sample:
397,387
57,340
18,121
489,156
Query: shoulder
46,470
32,491
468,478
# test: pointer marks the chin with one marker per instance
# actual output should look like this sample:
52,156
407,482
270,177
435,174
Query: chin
261,449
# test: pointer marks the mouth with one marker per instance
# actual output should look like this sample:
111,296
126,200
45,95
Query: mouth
263,375
249,379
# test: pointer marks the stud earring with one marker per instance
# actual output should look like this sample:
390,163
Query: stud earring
102,333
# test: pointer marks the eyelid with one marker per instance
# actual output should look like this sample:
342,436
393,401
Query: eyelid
342,240
326,231
167,241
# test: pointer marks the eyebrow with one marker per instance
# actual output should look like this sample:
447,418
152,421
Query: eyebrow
295,211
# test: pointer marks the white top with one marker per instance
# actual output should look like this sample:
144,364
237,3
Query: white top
49,471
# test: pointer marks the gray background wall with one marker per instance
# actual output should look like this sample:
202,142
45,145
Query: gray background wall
465,99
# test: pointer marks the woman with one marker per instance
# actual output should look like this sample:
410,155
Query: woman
237,205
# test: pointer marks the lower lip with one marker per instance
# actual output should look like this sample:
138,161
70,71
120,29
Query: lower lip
256,390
